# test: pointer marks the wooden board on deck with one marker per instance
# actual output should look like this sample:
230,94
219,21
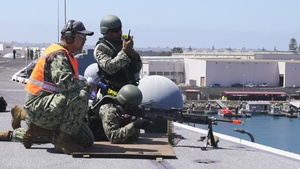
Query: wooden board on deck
148,146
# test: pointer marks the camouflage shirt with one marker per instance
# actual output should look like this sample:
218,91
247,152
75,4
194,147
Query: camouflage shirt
58,70
111,58
113,125
46,109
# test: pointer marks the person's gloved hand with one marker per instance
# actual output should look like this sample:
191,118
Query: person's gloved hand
90,80
102,86
128,47
141,123
93,95
82,78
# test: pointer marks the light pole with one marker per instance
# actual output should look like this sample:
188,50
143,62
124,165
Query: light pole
65,11
243,82
58,32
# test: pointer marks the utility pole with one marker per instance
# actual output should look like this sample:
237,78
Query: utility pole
65,11
58,33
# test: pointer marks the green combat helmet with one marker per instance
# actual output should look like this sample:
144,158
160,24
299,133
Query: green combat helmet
109,22
130,94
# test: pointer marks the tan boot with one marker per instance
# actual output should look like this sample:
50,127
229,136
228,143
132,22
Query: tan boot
18,114
216,138
5,135
66,144
34,131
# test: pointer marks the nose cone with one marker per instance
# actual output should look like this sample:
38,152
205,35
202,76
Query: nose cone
162,90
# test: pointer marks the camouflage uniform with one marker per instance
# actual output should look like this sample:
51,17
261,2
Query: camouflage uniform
115,128
115,65
18,134
64,111
83,137
116,69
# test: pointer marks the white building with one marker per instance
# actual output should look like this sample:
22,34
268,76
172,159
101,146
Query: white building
6,48
228,72
274,68
170,67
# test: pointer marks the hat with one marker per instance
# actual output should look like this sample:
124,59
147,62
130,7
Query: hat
76,27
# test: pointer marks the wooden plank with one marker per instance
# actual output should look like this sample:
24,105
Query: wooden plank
148,146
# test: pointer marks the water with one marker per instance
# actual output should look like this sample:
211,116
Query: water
278,132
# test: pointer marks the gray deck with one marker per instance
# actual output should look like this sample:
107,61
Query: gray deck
232,152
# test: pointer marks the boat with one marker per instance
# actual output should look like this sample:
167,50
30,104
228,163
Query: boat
290,110
275,111
225,112
243,114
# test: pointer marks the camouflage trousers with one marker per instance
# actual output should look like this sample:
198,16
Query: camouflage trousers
18,134
84,137
61,112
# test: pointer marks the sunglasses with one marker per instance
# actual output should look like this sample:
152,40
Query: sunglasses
116,30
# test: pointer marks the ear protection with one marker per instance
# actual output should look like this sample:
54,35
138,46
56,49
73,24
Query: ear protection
69,34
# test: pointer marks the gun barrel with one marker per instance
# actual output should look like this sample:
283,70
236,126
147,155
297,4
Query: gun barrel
230,121
237,121
177,115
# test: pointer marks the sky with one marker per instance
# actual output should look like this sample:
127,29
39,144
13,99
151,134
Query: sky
237,24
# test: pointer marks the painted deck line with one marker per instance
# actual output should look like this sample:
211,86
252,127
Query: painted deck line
243,142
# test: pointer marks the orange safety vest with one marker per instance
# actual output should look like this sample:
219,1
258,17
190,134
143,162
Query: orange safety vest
36,82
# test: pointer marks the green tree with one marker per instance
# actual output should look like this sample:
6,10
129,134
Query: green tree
165,53
177,50
293,46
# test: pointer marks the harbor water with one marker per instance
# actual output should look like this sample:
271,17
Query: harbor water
277,132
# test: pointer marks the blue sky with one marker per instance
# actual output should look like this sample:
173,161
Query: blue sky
161,23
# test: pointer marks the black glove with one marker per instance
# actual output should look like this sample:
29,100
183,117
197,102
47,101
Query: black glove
128,48
141,123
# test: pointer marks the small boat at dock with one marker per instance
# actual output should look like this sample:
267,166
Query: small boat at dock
275,111
225,112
